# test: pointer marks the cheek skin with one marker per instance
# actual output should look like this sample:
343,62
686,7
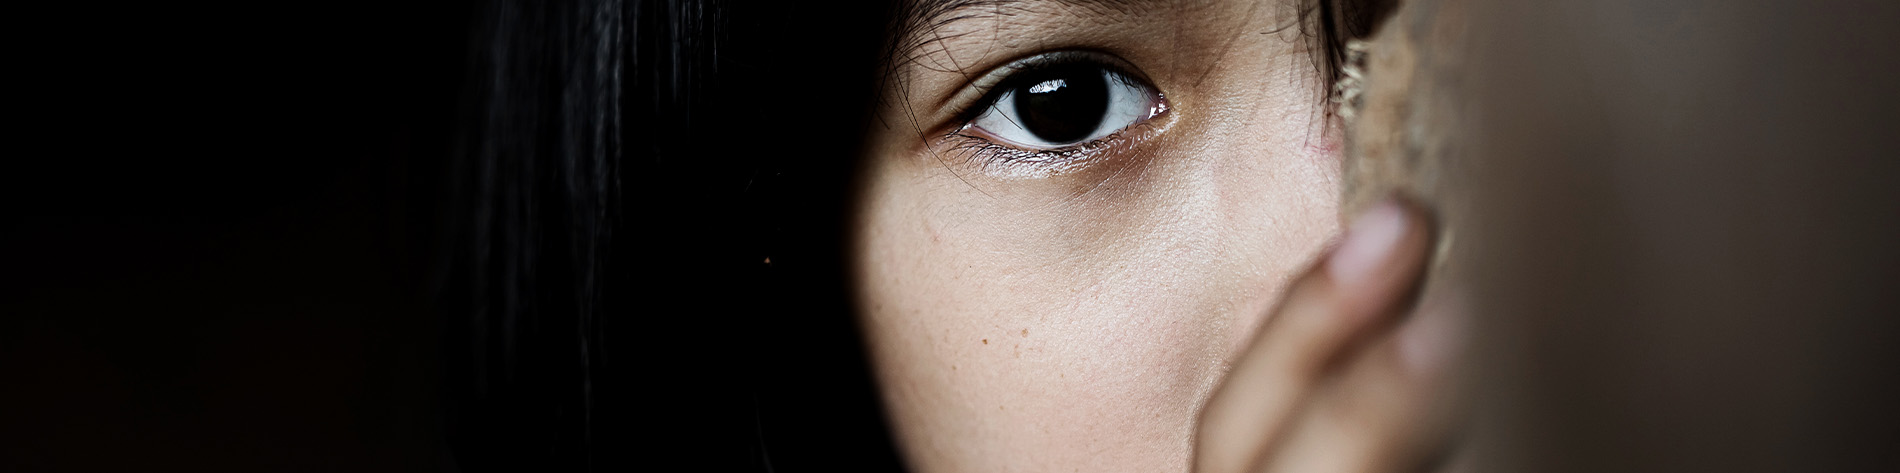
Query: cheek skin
1018,328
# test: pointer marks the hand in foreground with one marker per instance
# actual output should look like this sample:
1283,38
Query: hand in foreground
1344,377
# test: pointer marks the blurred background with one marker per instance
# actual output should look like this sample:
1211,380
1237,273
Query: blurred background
1684,227
221,231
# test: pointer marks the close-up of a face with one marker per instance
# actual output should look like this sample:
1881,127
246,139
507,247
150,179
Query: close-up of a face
956,236
1050,289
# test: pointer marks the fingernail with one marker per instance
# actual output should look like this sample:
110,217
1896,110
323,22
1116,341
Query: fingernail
1370,240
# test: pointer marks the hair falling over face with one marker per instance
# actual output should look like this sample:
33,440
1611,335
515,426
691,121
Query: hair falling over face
952,235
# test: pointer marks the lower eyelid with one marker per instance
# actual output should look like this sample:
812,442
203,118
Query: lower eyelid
989,157
968,147
1131,88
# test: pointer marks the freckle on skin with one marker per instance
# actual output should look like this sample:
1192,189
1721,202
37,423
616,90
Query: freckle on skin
986,341
1025,333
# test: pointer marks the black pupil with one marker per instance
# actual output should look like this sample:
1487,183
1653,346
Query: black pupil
1063,105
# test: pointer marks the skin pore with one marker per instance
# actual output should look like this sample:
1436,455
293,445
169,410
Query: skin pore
1074,310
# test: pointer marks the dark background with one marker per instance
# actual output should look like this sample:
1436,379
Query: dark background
228,243
222,230
216,242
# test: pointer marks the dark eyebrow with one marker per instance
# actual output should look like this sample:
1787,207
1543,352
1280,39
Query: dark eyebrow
939,8
917,20
918,16
918,25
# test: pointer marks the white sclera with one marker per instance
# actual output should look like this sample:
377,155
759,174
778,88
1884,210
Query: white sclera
1128,103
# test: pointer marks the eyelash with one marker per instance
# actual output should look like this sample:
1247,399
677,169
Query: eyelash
994,156
998,158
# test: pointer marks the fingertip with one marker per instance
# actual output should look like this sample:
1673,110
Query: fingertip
1369,241
1381,257
1384,237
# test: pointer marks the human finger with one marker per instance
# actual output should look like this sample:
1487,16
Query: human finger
1385,409
1355,289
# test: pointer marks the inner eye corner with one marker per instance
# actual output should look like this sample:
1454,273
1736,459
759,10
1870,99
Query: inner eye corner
1087,124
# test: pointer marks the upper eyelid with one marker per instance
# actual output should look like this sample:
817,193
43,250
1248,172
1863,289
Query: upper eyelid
978,87
974,92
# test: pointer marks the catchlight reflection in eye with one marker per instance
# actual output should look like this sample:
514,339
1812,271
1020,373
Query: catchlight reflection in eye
1065,105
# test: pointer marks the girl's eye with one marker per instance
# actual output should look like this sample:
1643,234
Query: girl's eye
1060,105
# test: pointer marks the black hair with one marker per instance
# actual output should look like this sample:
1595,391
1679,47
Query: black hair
625,173
1331,24
645,258
536,189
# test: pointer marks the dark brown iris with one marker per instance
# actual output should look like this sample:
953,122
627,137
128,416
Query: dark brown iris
1063,105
